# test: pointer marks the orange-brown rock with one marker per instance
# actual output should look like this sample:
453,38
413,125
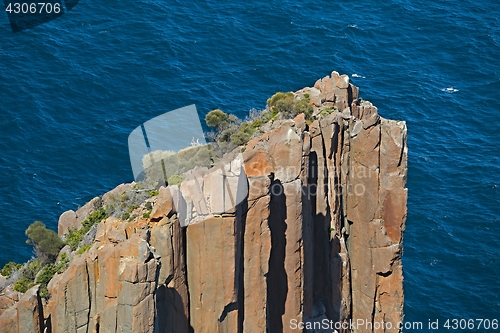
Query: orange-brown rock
73,220
317,236
164,205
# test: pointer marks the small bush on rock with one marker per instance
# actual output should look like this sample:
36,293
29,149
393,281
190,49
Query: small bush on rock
74,237
243,134
303,106
9,268
217,118
83,249
280,98
46,242
153,193
31,269
288,107
23,285
46,274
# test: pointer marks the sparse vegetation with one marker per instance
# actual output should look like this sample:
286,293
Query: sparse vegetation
10,268
83,249
157,165
303,106
153,193
28,274
229,133
130,209
74,237
23,285
327,111
118,205
234,133
38,270
48,271
175,179
243,134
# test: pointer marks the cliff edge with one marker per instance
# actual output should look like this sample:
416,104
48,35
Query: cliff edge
315,246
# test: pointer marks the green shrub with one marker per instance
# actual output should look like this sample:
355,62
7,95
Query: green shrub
225,136
61,265
175,179
43,291
326,111
83,249
31,269
279,96
243,134
269,115
287,106
187,154
202,156
46,274
9,268
146,215
46,242
303,106
23,285
123,197
94,218
127,215
256,123
217,118
74,237
153,193
284,106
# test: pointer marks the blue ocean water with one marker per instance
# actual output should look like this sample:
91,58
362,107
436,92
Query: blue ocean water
73,89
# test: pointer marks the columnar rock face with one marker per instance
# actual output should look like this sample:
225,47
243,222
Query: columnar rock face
317,238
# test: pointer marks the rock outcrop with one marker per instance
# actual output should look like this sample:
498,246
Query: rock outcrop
316,240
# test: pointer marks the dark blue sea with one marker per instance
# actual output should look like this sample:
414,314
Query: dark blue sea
73,89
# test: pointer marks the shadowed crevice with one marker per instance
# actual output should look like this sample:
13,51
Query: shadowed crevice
241,216
277,279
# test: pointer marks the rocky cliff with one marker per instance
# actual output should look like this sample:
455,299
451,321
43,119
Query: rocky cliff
316,240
